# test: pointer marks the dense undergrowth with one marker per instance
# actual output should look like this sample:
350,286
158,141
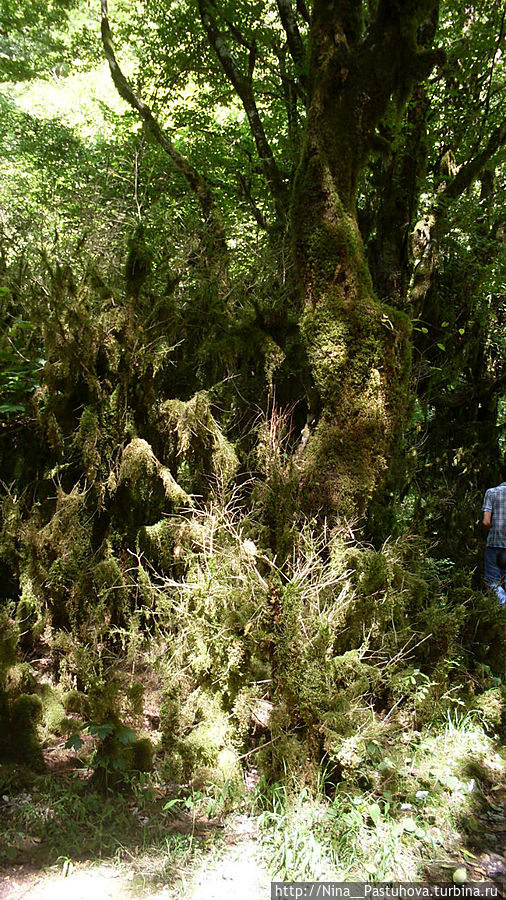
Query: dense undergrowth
172,619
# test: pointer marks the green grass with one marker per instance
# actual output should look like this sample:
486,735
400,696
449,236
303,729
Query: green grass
415,799
425,805
62,817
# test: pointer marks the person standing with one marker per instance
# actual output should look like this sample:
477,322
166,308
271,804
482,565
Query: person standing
494,519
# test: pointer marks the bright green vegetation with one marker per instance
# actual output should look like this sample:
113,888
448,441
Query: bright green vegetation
252,276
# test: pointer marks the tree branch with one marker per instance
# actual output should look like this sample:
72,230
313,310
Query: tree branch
491,75
294,39
194,179
470,171
303,11
234,31
291,91
257,213
244,91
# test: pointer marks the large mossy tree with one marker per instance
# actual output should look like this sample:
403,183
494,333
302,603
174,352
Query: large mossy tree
277,305
330,158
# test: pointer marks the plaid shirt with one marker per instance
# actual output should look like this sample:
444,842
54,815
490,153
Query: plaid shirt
495,502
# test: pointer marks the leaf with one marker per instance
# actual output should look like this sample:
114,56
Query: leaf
126,735
12,407
101,731
172,804
375,813
410,825
451,782
74,742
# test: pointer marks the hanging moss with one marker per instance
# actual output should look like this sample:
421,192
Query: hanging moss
192,434
9,636
9,531
89,441
30,609
149,486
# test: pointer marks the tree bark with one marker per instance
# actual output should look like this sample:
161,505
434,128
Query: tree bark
358,347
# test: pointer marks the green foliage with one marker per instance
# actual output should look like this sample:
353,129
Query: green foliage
168,414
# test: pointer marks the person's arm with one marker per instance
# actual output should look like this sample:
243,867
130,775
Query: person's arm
487,510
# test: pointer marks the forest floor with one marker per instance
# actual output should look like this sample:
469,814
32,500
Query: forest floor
220,873
205,859
440,807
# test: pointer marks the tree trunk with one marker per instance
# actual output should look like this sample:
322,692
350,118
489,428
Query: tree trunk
358,347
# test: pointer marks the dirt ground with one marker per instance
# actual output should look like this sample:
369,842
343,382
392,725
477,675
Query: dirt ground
237,873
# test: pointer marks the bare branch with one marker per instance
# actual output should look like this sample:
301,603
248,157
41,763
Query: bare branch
193,178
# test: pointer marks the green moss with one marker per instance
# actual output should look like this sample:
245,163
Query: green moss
491,705
9,636
192,434
138,463
142,755
23,741
206,741
224,774
10,530
150,487
76,702
21,680
30,610
349,670
145,588
53,711
92,442
157,542
357,347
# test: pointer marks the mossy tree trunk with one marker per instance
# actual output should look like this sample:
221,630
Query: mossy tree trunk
358,347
